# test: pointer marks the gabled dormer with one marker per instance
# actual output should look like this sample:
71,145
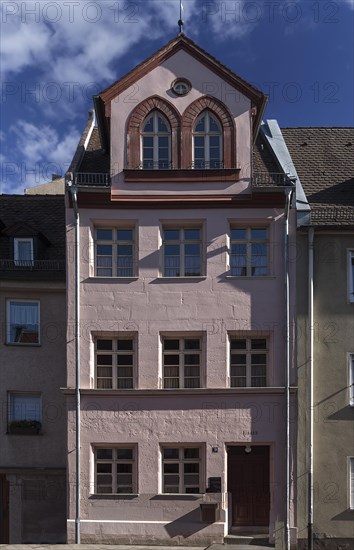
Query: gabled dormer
180,125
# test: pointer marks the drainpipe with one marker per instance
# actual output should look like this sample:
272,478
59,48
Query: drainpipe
77,360
311,235
288,195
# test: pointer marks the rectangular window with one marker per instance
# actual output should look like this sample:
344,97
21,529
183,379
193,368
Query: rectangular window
249,251
24,412
181,467
351,482
181,362
23,252
115,362
351,275
114,252
22,322
182,252
248,362
351,379
115,470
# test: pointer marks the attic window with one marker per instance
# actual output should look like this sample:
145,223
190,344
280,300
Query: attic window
23,252
181,86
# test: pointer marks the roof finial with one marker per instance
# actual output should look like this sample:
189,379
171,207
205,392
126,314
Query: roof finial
180,21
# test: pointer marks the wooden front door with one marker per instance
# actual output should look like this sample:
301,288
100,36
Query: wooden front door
248,482
4,510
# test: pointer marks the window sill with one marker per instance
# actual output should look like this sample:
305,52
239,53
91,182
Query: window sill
184,277
178,496
113,496
22,344
100,278
181,175
25,433
249,277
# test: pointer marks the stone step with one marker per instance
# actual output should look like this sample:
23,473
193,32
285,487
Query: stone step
259,540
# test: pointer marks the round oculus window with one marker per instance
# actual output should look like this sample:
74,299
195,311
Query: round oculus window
181,86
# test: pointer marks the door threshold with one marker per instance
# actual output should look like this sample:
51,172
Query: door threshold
249,530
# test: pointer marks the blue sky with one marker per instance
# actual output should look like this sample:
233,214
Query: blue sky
56,54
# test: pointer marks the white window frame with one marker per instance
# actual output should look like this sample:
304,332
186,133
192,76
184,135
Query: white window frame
12,412
207,134
350,268
351,482
181,242
115,353
182,486
249,352
8,322
156,134
181,352
249,241
115,242
23,263
351,378
114,461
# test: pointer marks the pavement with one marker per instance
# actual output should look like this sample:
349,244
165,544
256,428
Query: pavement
128,547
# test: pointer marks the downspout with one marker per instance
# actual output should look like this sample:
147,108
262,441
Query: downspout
311,234
288,195
77,360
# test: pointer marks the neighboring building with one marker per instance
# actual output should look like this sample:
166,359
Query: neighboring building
324,159
182,340
32,369
54,187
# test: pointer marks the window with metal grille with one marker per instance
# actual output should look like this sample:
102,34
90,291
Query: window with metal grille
249,251
182,251
115,470
182,362
181,467
115,362
248,362
114,252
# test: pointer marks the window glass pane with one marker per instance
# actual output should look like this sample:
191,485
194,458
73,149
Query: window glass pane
149,124
104,344
170,468
25,407
199,141
124,234
104,359
104,234
104,454
124,345
191,453
192,249
171,360
23,323
104,250
259,233
200,126
126,454
162,125
213,124
214,141
191,344
171,344
192,234
238,344
170,452
239,234
259,343
171,234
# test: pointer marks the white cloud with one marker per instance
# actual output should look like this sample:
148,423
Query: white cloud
42,151
349,3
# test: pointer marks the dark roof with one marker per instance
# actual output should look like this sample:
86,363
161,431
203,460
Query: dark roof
324,160
45,216
95,159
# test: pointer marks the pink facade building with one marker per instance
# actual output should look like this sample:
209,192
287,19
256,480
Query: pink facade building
181,388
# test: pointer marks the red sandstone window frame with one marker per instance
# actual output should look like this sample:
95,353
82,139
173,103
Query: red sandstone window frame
181,142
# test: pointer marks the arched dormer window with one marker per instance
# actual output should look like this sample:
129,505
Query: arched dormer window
156,142
218,116
207,142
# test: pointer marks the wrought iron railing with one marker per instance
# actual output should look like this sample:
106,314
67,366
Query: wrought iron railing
90,178
32,265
